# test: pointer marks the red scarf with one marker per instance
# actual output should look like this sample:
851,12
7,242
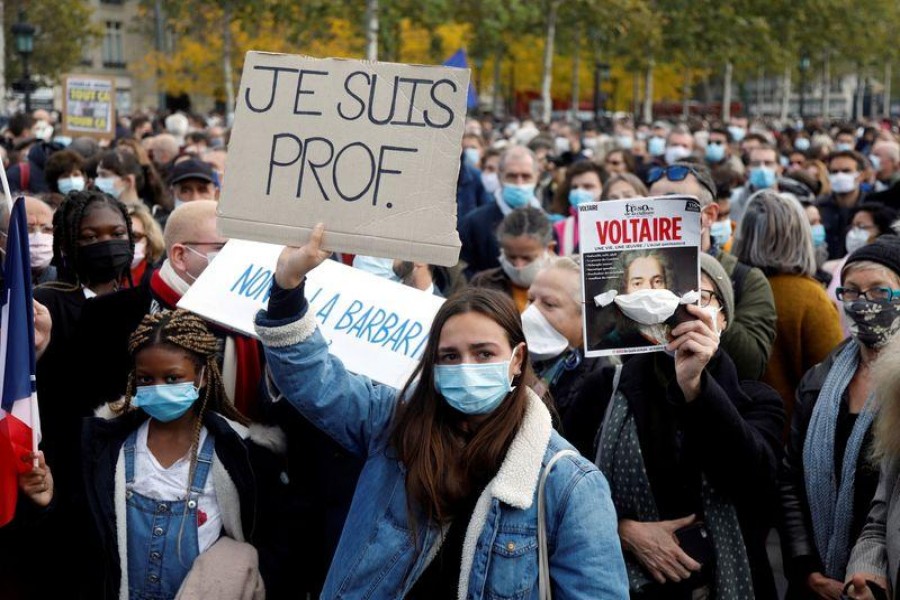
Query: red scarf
247,352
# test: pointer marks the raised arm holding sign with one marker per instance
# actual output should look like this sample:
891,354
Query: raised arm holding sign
369,149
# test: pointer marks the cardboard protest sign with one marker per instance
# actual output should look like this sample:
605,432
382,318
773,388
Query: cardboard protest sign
640,266
370,149
89,103
378,328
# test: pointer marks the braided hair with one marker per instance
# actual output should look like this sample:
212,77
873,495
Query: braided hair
67,226
185,331
182,330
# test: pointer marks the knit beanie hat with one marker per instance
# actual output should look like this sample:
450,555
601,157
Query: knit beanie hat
714,270
885,250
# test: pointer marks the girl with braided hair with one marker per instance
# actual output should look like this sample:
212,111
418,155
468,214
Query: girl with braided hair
173,469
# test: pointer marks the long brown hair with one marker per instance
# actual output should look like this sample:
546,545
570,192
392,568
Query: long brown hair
444,465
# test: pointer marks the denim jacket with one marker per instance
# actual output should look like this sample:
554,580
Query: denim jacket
378,556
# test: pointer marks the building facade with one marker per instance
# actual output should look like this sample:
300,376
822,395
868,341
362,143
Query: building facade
120,54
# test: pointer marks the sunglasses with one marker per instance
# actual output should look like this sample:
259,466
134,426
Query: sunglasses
677,173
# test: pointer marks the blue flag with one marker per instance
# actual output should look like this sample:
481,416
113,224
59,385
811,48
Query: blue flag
459,59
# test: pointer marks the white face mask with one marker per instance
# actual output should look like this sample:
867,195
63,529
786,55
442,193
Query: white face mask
624,141
491,182
40,246
209,256
714,314
856,239
43,130
522,276
676,153
140,252
647,307
842,183
544,341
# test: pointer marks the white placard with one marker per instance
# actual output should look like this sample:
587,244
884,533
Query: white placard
371,149
378,328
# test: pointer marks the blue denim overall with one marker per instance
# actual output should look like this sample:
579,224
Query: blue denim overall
155,570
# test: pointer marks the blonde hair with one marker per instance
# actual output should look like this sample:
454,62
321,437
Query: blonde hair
570,264
886,383
156,247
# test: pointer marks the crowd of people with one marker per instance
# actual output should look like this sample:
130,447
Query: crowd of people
182,459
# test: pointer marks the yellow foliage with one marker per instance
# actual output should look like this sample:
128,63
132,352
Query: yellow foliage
195,66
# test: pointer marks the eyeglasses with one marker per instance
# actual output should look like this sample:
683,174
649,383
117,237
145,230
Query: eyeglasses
876,294
677,173
218,245
706,297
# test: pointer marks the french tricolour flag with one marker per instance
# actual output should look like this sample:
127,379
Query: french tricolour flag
20,427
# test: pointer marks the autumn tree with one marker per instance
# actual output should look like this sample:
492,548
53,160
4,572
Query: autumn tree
62,30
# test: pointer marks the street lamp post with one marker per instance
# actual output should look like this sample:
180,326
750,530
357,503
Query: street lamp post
601,71
24,36
804,67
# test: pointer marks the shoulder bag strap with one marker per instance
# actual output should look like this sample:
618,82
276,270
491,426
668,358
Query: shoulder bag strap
543,558
569,236
24,176
607,413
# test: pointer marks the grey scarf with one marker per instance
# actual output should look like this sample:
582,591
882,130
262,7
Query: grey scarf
619,458
830,506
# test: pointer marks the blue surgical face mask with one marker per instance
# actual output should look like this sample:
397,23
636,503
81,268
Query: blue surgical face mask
720,231
843,147
762,177
472,156
715,153
737,133
166,402
380,267
876,162
578,196
801,144
818,234
107,185
517,196
656,146
474,389
68,184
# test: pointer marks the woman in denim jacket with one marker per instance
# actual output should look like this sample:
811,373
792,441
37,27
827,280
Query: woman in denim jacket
446,506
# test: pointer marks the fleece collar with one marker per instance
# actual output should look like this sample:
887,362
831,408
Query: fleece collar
515,482
517,478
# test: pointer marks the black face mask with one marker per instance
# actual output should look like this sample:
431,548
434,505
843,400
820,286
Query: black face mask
104,261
